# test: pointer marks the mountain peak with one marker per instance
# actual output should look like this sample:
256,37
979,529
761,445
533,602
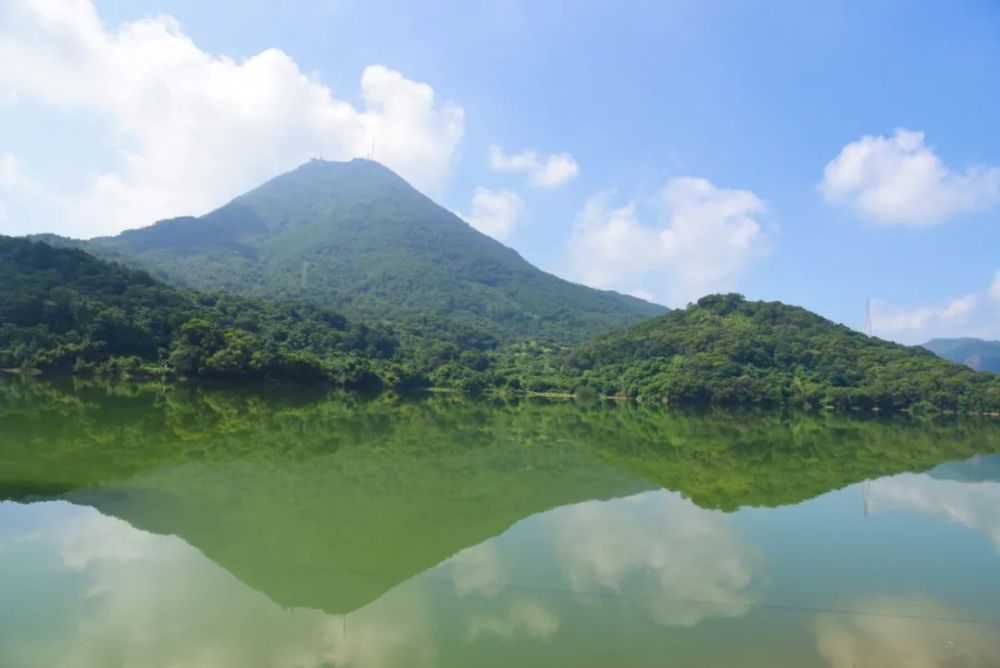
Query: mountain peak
355,236
341,167
320,179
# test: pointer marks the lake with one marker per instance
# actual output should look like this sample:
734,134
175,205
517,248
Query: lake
189,526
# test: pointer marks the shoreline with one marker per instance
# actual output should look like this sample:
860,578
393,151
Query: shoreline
495,392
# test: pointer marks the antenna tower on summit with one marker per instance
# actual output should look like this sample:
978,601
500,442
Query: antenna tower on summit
869,329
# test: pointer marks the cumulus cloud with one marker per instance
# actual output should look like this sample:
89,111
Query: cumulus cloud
551,171
13,177
691,562
975,506
192,128
495,212
705,241
20,193
899,180
974,314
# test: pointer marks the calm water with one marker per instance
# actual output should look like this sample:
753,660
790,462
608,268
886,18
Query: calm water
195,527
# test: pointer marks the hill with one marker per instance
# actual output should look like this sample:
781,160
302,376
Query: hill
977,354
356,237
63,309
725,350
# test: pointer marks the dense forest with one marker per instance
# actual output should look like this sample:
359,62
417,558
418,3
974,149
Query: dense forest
725,350
357,238
62,309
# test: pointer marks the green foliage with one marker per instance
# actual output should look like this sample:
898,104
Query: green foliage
728,351
357,238
327,500
62,309
718,459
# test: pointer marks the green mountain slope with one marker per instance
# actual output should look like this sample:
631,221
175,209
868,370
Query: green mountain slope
977,354
63,309
356,237
728,351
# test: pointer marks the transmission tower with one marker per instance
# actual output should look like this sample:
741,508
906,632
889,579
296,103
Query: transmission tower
869,329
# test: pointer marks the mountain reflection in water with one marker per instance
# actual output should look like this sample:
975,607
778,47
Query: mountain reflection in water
199,526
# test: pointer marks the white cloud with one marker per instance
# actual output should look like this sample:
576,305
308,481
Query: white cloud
194,613
495,212
552,171
525,617
192,128
13,177
478,570
960,308
975,314
904,631
706,241
685,564
20,193
899,180
975,506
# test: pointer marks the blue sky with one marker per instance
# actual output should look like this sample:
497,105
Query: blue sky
692,138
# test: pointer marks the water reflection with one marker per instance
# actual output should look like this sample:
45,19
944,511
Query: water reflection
214,528
687,562
479,569
974,505
924,636
525,617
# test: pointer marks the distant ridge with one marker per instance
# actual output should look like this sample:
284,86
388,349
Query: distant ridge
978,354
356,237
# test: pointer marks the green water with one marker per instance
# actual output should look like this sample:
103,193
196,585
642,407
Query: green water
167,527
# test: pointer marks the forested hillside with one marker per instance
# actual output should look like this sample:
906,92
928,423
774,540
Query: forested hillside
62,309
355,237
725,350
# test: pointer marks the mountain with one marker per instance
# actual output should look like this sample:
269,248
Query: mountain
725,350
64,309
978,354
356,237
